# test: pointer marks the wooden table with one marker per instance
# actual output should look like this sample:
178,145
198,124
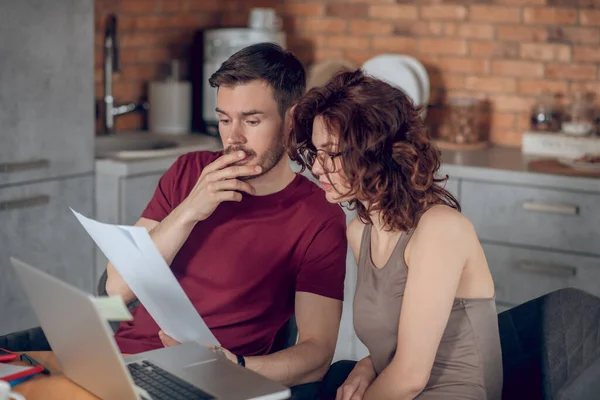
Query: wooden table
55,386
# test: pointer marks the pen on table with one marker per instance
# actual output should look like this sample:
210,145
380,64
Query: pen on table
32,361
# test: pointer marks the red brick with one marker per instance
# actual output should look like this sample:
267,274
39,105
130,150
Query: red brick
469,30
128,91
517,103
545,52
140,39
521,33
419,28
593,87
347,10
586,54
104,7
358,57
363,1
536,87
464,65
129,122
506,137
589,17
574,3
521,2
321,54
394,44
518,68
367,27
491,84
571,71
442,46
246,5
548,15
523,121
495,13
494,49
502,120
446,11
322,25
146,55
156,22
447,81
303,9
393,11
347,42
209,5
138,7
144,72
233,19
174,6
567,34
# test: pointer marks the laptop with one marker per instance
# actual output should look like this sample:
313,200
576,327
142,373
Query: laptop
88,355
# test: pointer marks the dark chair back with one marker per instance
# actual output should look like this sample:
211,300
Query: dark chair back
549,345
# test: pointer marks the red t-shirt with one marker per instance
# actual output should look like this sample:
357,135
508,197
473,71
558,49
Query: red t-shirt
242,266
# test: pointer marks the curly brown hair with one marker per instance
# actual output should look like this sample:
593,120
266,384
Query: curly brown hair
386,153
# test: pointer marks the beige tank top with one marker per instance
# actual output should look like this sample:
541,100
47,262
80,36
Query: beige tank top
468,363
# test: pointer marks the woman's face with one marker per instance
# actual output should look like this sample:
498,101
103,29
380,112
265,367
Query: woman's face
328,163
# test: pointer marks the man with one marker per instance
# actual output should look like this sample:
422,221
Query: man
251,242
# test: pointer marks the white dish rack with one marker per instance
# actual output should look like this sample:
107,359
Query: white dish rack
555,144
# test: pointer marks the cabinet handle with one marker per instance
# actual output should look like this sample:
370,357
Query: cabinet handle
546,269
565,209
23,165
23,203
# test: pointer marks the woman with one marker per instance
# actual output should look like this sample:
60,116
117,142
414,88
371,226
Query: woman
424,303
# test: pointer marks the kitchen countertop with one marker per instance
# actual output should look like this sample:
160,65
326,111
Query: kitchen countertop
115,165
494,164
508,165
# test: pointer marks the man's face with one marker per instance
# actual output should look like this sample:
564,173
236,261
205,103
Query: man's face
249,120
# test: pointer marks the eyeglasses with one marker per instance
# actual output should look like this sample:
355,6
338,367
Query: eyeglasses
326,159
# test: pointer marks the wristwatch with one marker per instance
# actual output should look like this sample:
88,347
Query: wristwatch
241,360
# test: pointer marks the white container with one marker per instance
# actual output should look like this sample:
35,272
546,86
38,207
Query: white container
552,144
170,105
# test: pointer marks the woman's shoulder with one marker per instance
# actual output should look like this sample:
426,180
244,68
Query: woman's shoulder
444,218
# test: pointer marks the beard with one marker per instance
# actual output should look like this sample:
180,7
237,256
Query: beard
269,159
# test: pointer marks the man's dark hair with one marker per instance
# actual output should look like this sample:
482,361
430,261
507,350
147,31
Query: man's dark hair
268,62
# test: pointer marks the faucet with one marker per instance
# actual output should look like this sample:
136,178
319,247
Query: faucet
111,65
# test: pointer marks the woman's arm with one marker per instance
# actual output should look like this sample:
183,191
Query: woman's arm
436,255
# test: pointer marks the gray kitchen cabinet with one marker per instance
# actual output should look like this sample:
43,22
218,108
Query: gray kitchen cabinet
534,216
521,274
136,192
539,231
37,227
453,186
120,199
46,99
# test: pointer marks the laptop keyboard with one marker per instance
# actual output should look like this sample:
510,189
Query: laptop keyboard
161,384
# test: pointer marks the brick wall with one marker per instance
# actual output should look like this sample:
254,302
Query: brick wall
505,51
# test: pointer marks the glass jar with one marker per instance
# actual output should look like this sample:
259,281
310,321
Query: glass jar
464,121
545,115
579,115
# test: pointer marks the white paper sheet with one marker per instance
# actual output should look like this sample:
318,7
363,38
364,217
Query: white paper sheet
132,252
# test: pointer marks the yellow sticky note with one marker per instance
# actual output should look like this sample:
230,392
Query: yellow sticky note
113,308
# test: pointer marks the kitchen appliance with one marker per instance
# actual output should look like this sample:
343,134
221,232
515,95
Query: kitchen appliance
170,104
404,72
218,46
